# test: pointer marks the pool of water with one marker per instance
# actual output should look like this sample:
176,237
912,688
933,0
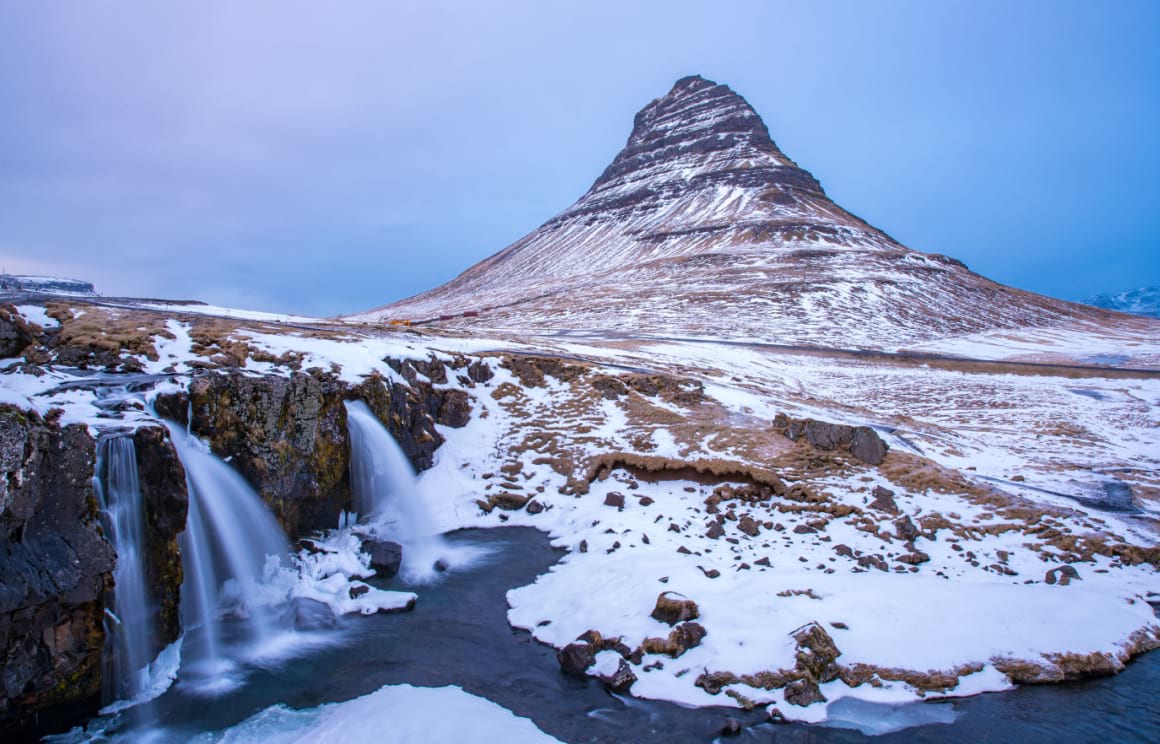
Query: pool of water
458,634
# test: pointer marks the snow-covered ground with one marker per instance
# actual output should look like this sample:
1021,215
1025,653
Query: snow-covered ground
997,483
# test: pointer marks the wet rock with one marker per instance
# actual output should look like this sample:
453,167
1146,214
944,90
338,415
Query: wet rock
55,570
672,608
883,500
732,727
1063,575
310,614
386,556
358,590
620,680
575,658
166,502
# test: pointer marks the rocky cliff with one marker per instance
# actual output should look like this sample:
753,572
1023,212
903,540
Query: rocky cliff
57,569
287,435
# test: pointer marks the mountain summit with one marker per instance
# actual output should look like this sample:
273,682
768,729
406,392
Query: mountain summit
701,226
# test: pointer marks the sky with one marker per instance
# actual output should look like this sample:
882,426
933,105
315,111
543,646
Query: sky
325,158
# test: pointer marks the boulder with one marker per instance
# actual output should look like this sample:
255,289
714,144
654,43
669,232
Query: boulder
883,500
681,638
575,658
386,556
620,680
860,441
1063,575
672,608
310,614
15,335
614,499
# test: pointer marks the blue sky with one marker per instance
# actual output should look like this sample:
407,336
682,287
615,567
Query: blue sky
326,158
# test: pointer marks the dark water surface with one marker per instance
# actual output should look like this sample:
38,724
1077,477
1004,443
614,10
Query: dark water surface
458,634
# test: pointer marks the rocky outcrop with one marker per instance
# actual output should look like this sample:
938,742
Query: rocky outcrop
860,441
15,334
166,502
57,568
287,435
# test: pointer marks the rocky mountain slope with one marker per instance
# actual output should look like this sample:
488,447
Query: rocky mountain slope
701,226
1141,301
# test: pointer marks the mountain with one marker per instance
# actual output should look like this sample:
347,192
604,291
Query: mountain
701,226
45,285
1142,301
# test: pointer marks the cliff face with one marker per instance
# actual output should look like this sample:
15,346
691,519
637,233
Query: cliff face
288,435
702,226
57,569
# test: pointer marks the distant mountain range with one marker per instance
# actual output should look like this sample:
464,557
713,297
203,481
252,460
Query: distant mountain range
701,226
1142,301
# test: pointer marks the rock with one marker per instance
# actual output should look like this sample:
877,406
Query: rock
614,499
15,335
477,371
860,441
575,658
358,590
55,570
620,680
803,692
534,507
386,556
310,614
748,526
867,446
672,608
732,727
508,501
883,500
680,639
166,502
715,530
905,529
914,558
1064,575
873,561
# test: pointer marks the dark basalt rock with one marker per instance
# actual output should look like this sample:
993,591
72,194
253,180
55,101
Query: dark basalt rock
860,441
15,335
166,501
57,568
287,435
386,557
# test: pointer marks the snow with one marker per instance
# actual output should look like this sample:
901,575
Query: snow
227,312
393,713
37,314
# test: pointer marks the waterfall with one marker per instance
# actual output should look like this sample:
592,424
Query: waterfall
230,544
387,494
130,628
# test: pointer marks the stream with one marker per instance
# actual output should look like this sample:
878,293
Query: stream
458,635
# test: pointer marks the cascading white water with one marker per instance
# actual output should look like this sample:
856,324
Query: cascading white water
131,631
230,543
387,494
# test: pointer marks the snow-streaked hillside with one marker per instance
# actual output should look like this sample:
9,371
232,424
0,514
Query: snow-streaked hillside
702,227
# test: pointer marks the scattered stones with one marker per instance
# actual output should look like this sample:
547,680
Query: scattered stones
672,608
